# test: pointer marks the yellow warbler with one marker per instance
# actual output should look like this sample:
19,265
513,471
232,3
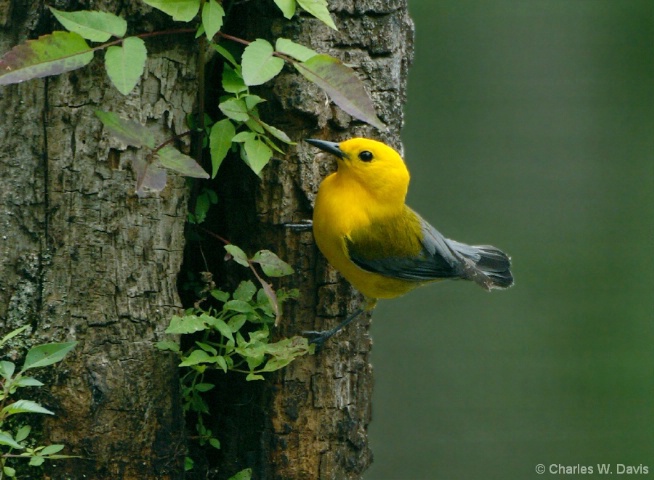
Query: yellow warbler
382,247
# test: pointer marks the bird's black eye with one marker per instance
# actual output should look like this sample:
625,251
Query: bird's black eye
365,156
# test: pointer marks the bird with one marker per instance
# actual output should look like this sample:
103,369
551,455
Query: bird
364,228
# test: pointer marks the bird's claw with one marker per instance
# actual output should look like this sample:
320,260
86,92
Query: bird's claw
318,338
303,225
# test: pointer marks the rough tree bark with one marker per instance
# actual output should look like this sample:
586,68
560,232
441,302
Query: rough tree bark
82,258
312,417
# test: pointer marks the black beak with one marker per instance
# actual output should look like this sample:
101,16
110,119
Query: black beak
330,147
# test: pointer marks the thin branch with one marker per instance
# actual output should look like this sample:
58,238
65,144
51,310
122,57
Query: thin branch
171,140
234,39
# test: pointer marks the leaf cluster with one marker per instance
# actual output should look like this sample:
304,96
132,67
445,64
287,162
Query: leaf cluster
16,439
242,129
150,169
234,336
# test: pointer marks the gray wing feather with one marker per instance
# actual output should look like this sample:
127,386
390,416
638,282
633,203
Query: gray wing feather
443,258
435,260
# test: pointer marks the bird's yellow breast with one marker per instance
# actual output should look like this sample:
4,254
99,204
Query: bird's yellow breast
343,206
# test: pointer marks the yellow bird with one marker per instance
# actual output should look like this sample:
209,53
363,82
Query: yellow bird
383,248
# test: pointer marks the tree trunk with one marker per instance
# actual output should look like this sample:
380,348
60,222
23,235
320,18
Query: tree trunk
310,420
84,259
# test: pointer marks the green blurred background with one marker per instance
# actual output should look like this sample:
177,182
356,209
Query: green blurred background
530,126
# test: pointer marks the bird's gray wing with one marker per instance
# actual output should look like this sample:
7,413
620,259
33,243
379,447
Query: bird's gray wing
433,256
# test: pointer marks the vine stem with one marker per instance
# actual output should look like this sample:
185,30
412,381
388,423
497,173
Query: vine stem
201,93
145,35
226,36
247,42
267,287
171,140
213,234
234,39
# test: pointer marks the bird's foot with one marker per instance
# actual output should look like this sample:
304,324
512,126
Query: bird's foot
303,225
318,338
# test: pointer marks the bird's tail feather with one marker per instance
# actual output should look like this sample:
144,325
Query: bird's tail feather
486,265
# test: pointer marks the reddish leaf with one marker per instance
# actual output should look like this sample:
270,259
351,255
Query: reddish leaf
127,131
342,85
172,158
48,55
148,175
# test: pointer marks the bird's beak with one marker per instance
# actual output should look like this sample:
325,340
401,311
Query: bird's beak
330,147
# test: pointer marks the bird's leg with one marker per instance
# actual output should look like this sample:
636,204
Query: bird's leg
303,225
319,338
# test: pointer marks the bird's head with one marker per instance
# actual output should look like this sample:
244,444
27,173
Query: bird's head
375,165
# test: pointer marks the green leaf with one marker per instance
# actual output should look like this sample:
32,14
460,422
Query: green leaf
220,141
243,136
237,306
254,376
220,295
127,131
287,7
232,80
36,461
28,382
7,369
254,124
168,345
12,334
23,432
48,55
235,109
276,363
258,63
236,322
186,324
295,50
125,64
204,387
196,357
180,10
212,17
243,475
277,133
92,25
9,471
273,303
25,406
318,8
226,54
342,85
202,204
258,154
175,160
44,355
237,254
245,291
271,264
207,348
51,449
215,443
220,361
8,440
220,325
252,101
272,144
